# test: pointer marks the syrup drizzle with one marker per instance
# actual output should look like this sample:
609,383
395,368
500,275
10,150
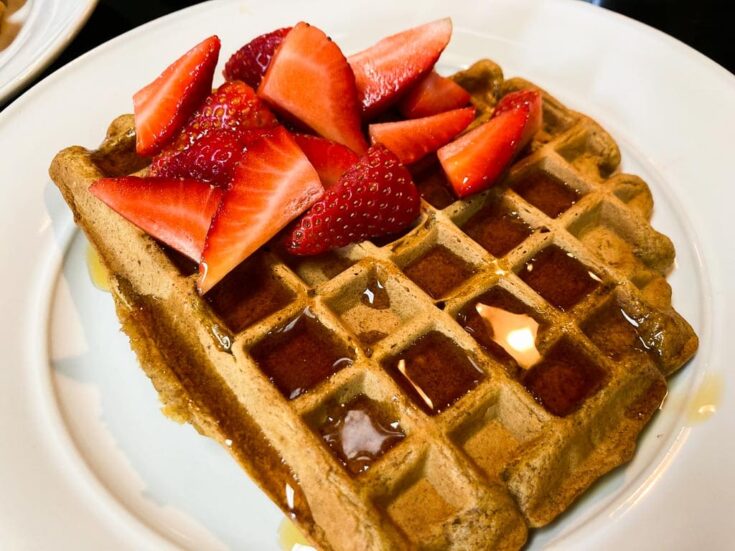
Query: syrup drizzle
98,272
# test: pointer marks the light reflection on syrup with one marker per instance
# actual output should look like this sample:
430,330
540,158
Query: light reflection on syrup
359,432
706,399
97,270
515,333
291,539
417,388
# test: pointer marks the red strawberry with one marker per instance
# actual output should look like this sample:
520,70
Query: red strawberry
233,105
431,95
273,183
411,140
210,158
331,160
528,98
163,106
388,68
250,62
177,212
474,161
309,80
375,197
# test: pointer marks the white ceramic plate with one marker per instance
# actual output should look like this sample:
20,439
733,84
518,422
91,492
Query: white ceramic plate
33,34
87,461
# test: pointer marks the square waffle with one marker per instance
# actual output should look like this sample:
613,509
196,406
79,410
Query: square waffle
454,443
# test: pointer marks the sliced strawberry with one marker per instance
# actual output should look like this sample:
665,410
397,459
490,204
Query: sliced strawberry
273,183
250,62
413,139
310,80
387,69
233,105
532,100
331,160
162,107
376,197
431,95
210,158
474,161
177,212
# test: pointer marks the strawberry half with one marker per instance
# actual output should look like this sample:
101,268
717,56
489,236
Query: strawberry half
387,69
411,140
331,160
163,106
376,197
310,81
273,183
233,105
250,62
209,146
211,158
474,161
431,95
177,212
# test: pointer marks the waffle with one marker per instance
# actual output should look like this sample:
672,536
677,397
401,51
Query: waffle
381,341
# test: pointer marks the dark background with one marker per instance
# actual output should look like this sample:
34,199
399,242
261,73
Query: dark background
706,25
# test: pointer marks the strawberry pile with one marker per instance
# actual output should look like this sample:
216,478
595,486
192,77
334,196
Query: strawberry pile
279,151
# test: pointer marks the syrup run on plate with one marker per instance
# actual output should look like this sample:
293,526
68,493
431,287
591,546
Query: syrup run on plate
291,539
706,399
98,273
359,432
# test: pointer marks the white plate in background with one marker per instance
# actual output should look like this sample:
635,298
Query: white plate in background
33,34
88,462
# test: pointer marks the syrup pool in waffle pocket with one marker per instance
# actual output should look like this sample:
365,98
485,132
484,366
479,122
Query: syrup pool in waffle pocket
446,386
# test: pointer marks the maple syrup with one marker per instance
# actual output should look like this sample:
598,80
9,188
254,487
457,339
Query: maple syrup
374,295
434,187
496,229
564,379
98,272
507,308
559,277
290,537
248,294
547,193
435,372
439,271
299,355
706,399
615,332
359,432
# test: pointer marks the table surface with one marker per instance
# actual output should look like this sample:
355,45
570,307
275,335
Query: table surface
701,24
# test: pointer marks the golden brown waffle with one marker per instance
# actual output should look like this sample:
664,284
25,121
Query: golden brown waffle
284,353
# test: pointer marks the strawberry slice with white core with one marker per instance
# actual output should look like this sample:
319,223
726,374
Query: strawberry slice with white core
474,161
310,81
386,70
331,160
177,212
273,183
413,139
431,95
164,105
